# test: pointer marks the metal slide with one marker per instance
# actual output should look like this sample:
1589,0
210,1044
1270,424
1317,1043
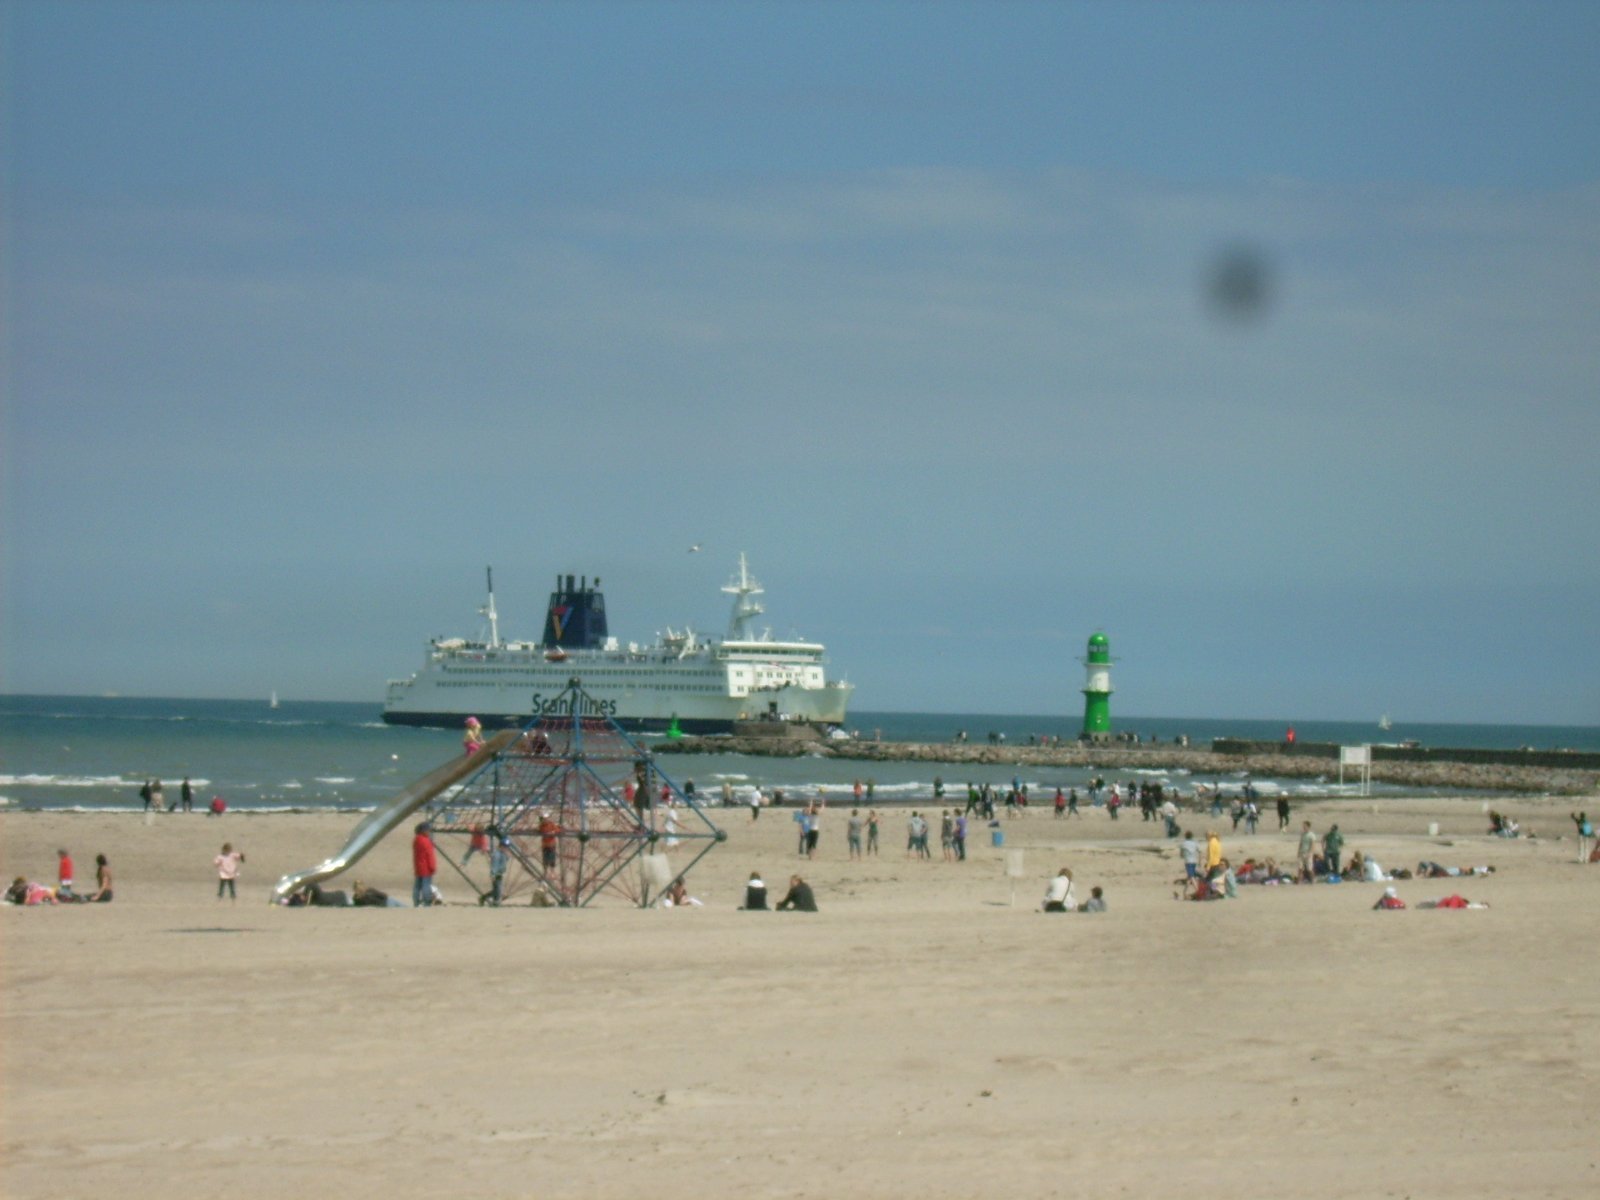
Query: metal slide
379,823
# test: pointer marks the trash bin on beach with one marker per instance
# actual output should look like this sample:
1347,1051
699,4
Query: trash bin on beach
997,837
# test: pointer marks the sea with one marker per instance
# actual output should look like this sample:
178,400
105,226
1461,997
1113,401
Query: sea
94,753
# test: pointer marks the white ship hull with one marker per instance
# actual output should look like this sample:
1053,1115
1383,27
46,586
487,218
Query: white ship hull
702,686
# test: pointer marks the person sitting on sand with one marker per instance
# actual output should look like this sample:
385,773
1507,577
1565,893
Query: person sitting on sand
799,898
1058,895
102,882
1363,868
363,896
1389,900
755,894
22,891
1096,902
678,896
314,896
1224,881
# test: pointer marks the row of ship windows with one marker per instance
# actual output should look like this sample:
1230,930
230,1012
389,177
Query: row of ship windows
643,687
550,678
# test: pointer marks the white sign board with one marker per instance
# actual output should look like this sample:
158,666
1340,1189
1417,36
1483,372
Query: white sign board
1355,756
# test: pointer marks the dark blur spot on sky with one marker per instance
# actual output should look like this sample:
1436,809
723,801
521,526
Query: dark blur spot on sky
1238,285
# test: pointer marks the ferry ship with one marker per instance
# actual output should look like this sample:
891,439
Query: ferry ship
682,682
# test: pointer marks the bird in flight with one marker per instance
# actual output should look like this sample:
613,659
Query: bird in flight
695,549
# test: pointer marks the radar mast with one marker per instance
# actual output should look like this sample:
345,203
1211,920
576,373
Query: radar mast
745,609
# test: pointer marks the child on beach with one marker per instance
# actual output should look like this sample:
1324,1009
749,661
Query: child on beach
478,844
64,875
227,864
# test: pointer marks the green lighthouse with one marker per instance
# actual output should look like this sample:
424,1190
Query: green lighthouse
1097,691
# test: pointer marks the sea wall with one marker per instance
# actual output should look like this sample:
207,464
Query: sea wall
1560,760
1258,758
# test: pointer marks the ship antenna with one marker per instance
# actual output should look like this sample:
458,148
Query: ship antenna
488,611
745,609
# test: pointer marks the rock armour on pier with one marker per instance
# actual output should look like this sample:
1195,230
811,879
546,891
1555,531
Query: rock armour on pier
1199,763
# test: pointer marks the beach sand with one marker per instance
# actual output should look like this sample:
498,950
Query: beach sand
920,1036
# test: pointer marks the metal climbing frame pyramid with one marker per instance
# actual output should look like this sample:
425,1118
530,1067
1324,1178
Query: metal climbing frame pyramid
579,810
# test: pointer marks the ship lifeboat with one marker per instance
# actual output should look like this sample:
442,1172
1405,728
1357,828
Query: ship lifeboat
557,655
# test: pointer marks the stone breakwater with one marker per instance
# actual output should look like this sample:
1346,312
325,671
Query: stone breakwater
1200,764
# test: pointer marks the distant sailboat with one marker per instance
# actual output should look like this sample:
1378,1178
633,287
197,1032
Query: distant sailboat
273,702
1384,723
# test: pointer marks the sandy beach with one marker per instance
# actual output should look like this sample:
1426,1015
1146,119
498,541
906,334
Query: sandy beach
920,1035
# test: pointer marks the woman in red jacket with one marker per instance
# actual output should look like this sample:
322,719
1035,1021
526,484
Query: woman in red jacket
424,862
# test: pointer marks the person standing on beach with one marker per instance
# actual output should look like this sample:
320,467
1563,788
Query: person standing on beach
1189,852
961,837
227,864
424,865
549,831
1213,850
1332,847
947,835
497,866
1308,853
852,834
755,802
872,832
1585,835
64,874
1061,804
186,794
158,798
146,793
1072,803
814,829
1283,813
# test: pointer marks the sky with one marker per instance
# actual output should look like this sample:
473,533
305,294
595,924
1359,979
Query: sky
1264,338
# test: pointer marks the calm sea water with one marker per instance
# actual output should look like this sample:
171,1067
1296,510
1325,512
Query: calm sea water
93,752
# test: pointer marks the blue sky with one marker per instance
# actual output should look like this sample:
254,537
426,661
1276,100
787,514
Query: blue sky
311,311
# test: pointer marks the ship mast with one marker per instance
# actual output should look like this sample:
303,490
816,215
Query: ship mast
488,611
745,610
